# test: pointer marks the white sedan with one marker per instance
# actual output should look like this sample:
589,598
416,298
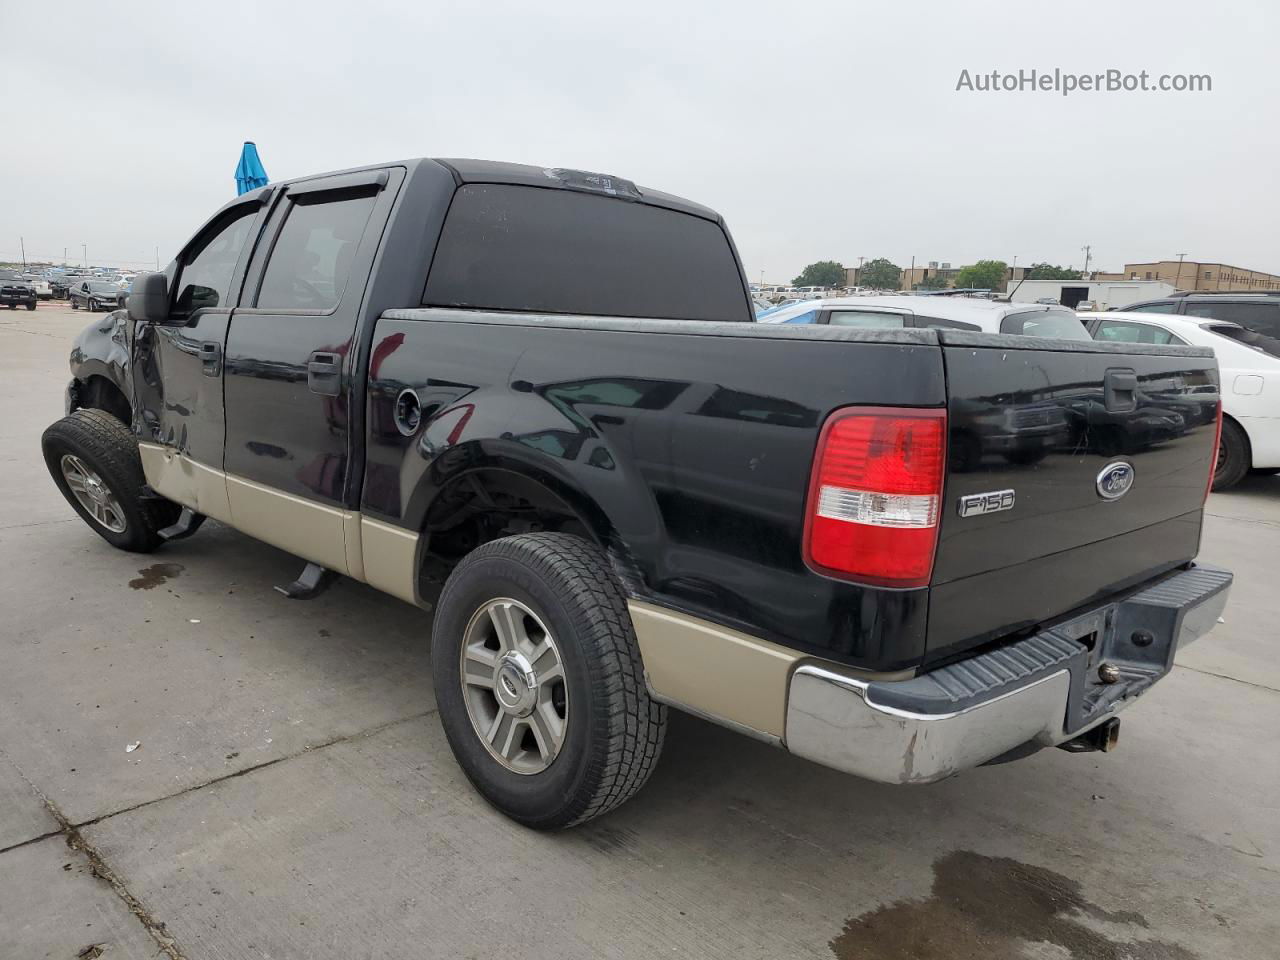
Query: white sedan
1250,369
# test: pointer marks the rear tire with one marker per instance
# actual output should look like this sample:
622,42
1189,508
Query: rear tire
1234,456
93,459
559,601
31,306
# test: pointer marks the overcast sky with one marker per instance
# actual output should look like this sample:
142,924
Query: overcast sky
819,130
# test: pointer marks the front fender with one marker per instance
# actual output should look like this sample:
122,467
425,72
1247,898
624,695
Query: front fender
102,349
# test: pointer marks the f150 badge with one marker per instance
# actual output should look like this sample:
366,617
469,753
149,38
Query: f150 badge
1115,480
975,504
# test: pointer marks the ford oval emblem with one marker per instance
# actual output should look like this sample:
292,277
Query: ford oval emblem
1115,480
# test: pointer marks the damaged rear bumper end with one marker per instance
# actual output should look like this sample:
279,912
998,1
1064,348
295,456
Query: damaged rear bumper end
1045,690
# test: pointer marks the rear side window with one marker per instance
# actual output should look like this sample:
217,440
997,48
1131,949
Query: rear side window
1167,307
867,319
1049,323
507,247
1248,337
1117,331
312,256
1261,318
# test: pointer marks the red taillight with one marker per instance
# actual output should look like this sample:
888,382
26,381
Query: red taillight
1213,454
875,495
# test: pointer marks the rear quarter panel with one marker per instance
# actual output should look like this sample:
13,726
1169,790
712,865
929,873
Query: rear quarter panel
693,442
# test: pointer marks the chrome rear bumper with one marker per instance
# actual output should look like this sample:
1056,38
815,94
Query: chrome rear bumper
1045,689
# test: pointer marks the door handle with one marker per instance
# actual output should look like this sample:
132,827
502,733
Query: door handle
210,358
324,374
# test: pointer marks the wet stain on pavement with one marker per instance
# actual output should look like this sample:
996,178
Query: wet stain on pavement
994,908
155,575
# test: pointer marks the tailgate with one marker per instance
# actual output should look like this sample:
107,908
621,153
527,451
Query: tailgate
1074,470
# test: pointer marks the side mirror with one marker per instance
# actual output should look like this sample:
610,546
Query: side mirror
148,302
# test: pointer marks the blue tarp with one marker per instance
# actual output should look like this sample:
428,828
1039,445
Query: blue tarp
250,174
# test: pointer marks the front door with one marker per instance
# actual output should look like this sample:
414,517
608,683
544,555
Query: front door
177,365
290,357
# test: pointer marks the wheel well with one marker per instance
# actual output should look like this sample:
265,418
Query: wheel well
1248,442
488,504
99,393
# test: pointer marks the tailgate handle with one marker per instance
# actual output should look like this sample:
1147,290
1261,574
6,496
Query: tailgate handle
1119,387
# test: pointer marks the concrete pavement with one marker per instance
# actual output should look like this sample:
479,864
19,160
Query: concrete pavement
293,795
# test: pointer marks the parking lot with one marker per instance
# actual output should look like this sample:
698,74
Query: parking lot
292,795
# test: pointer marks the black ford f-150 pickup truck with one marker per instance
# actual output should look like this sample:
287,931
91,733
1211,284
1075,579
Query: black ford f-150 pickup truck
535,402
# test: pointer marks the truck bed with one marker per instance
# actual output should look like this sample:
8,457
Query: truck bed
693,442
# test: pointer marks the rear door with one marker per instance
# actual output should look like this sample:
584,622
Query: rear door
288,372
1031,524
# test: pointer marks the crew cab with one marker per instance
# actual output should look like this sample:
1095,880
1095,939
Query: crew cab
535,402
16,292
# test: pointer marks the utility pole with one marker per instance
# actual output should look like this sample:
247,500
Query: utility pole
64,258
85,249
1087,251
23,244
911,277
1177,283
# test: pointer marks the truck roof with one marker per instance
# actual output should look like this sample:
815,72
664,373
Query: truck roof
498,171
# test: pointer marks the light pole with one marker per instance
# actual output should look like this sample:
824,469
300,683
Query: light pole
85,249
1087,251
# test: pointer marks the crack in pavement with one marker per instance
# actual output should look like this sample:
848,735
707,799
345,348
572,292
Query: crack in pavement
98,866
1223,676
309,748
36,523
100,869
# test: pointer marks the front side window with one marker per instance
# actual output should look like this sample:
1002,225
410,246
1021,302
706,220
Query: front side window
205,278
312,256
1117,331
867,319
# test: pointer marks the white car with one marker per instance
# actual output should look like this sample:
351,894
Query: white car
1249,365
953,313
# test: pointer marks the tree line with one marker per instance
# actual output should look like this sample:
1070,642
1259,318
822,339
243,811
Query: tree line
883,274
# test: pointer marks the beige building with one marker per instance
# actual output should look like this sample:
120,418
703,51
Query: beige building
1195,275
913,277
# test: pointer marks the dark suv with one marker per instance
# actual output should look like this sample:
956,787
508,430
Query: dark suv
1259,312
16,292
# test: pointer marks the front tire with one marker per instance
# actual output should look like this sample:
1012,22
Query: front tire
1234,456
539,682
94,461
74,305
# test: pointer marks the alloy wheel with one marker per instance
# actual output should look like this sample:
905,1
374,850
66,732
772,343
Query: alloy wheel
513,685
92,493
